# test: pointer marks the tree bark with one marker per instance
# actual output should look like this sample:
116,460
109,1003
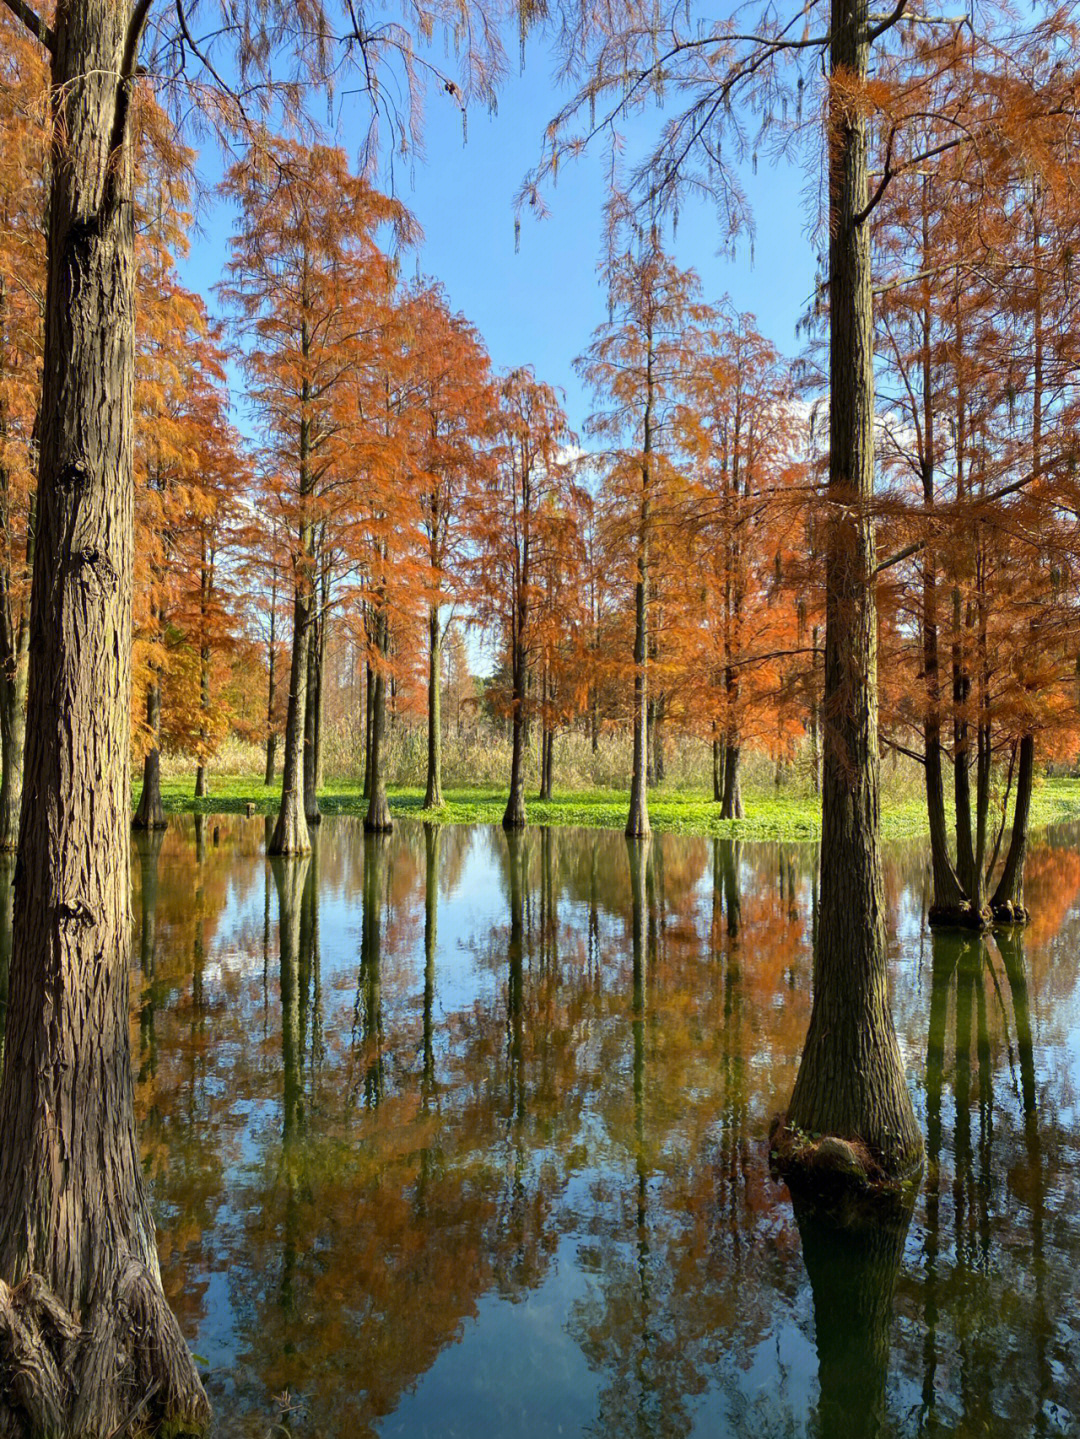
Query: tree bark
86,1336
14,664
271,689
1007,904
378,820
291,832
433,795
369,710
150,813
514,814
731,806
851,1083
311,725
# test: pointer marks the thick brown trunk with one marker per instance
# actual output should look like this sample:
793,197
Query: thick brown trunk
731,806
1007,905
87,1339
378,820
433,795
150,813
851,1083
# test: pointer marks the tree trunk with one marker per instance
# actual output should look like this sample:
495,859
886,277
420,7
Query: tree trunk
87,1339
1007,905
637,820
271,689
14,664
514,814
433,795
731,806
311,724
291,832
851,1083
12,738
369,710
378,820
151,814
717,769
659,715
950,904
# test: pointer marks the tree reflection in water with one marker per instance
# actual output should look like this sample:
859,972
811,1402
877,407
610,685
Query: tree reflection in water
488,1155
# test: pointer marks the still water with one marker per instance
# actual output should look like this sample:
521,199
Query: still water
455,1135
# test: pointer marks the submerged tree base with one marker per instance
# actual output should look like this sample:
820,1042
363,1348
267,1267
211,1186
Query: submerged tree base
835,1167
122,1371
1007,911
958,916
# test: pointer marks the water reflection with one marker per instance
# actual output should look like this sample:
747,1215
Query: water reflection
487,1156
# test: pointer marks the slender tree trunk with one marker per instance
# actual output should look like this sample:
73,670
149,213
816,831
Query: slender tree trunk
433,795
271,691
378,820
637,821
950,905
87,1335
659,716
201,786
311,723
851,1084
369,714
150,813
14,665
514,814
717,768
291,832
1007,904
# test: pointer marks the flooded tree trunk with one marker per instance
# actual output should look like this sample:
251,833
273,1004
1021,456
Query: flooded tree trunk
1007,904
851,1084
378,820
433,795
150,813
965,850
86,1334
432,844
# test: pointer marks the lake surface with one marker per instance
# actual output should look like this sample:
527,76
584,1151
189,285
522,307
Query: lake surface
450,1135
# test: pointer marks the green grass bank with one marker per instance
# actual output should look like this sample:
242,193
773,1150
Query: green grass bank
769,816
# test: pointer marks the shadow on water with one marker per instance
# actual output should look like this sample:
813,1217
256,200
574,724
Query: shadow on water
455,1131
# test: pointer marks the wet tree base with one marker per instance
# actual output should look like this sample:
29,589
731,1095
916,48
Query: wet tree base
959,916
123,1371
378,819
1007,911
834,1169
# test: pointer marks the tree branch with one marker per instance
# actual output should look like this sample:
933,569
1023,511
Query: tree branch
34,23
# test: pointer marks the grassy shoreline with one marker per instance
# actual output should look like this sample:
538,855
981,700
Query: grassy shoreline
768,816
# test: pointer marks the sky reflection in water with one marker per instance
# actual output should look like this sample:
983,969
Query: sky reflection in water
451,1134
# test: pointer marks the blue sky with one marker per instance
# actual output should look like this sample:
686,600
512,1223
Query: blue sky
539,304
